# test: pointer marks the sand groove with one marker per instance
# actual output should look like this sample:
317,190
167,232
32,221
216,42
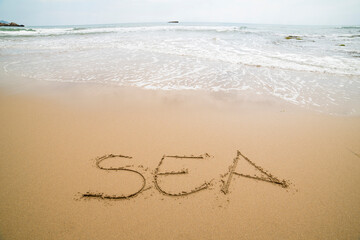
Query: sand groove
356,154
269,177
106,196
183,193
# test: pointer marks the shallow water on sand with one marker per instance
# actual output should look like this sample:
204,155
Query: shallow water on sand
318,68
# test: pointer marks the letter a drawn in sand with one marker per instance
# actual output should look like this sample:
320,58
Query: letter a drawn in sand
268,177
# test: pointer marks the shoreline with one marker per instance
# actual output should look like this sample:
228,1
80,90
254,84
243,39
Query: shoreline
316,68
52,134
56,90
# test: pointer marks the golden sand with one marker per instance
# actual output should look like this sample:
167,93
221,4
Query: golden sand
61,170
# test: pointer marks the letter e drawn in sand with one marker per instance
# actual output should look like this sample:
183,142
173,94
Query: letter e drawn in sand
185,171
106,196
269,177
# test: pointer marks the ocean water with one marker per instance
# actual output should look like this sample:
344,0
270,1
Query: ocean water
319,69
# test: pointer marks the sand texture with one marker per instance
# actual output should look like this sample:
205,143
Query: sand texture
93,162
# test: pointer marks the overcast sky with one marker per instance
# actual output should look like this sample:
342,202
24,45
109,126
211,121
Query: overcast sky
62,12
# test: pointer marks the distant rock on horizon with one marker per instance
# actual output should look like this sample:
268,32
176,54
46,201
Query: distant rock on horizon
12,24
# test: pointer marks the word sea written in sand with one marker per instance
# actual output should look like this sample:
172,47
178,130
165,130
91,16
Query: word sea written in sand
265,176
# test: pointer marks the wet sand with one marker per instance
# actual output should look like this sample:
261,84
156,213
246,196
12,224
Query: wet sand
51,136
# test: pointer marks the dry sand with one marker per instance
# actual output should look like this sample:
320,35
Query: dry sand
51,135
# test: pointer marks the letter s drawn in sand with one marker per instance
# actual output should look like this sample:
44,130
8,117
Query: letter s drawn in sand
106,196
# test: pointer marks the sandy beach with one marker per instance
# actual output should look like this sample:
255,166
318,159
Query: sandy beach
52,133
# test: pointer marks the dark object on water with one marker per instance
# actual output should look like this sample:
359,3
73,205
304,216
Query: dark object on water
12,24
342,45
293,37
173,22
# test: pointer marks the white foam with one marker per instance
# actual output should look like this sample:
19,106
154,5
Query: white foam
319,74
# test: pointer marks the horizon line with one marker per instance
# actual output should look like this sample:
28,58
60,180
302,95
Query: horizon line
211,22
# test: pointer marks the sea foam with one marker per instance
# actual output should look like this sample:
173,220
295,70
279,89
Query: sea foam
319,68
